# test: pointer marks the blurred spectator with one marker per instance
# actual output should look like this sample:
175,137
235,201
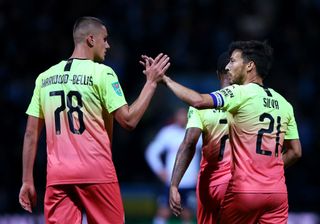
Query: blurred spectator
166,144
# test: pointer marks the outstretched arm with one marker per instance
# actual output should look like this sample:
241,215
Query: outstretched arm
28,196
129,116
293,152
184,156
189,96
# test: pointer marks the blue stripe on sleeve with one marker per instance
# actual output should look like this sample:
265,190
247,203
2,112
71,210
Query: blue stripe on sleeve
214,99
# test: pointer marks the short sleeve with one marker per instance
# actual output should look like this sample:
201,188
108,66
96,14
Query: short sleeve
292,129
111,92
228,98
194,119
34,108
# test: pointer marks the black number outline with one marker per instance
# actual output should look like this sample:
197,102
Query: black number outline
77,109
222,141
270,129
72,109
58,110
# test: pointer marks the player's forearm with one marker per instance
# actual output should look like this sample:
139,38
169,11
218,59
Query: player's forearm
183,159
293,152
189,96
140,105
28,156
290,157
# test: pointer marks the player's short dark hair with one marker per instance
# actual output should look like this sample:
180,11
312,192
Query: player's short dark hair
222,62
85,24
259,52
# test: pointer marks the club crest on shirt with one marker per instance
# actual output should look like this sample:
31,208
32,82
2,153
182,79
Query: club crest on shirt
116,88
190,113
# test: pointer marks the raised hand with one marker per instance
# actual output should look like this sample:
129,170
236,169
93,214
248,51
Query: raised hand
155,68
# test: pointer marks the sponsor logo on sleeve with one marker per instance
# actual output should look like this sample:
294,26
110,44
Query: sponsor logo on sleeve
116,88
227,92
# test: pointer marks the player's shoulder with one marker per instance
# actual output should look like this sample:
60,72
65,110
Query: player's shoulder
233,86
276,94
104,69
54,69
281,98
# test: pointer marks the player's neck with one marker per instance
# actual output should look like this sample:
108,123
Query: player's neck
82,52
253,78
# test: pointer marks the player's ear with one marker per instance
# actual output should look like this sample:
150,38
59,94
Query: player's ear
250,66
90,40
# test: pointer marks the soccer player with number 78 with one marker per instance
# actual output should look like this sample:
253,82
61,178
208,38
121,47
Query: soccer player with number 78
77,100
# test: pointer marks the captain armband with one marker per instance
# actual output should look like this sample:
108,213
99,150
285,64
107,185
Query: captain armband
217,99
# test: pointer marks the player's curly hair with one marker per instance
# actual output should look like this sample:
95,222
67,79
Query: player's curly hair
261,53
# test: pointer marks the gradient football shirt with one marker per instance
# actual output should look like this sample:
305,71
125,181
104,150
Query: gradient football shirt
216,153
262,119
76,99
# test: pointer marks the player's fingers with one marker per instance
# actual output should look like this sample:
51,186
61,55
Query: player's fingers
144,57
158,65
163,59
146,60
150,60
142,63
146,64
23,198
159,56
165,68
25,203
176,210
28,208
163,63
175,203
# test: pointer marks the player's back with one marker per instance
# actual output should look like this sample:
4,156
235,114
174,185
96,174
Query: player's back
74,99
258,128
216,153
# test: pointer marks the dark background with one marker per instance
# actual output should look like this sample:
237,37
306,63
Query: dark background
37,34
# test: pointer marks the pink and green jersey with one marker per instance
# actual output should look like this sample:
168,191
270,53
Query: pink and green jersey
216,153
76,99
262,119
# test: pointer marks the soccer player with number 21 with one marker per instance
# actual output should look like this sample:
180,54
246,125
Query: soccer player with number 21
262,124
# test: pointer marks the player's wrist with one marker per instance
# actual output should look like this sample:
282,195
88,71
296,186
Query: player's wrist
166,79
152,84
28,181
173,186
